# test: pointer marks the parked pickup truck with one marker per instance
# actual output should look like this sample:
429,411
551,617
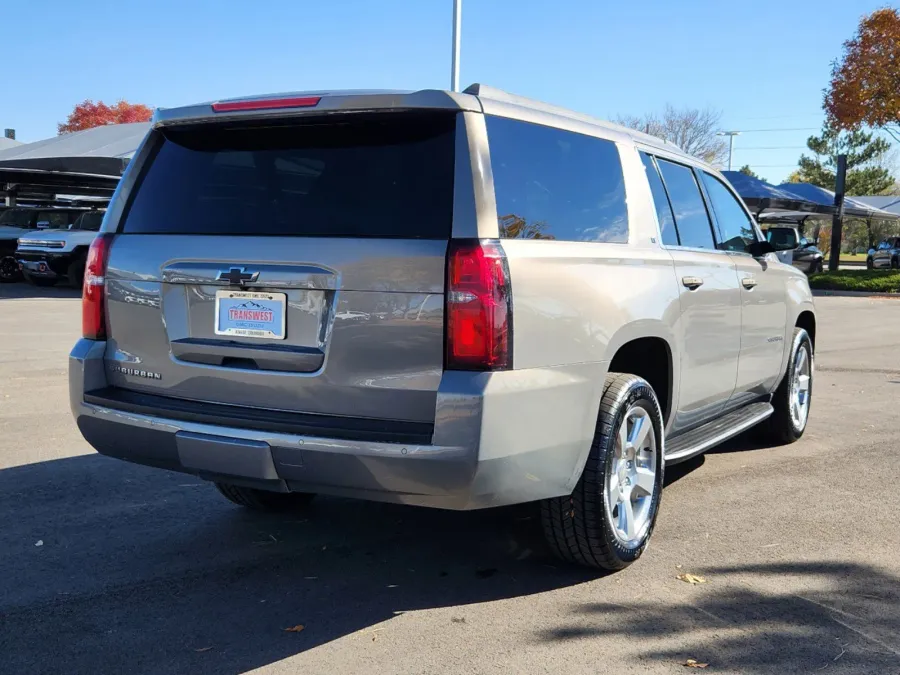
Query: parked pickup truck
48,256
443,299
19,221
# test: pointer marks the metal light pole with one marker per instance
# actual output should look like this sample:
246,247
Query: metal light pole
457,26
731,135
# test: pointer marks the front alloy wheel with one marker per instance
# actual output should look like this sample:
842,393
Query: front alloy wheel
793,397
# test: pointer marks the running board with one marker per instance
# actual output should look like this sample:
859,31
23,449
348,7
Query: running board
718,431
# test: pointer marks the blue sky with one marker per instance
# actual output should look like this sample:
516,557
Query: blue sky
763,63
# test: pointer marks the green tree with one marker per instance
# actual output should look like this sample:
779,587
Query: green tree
865,173
747,171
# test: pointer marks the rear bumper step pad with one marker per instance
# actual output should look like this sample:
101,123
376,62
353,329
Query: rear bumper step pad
300,424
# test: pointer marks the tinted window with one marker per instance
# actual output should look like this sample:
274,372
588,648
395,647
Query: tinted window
554,184
687,203
735,227
389,176
90,221
16,218
663,208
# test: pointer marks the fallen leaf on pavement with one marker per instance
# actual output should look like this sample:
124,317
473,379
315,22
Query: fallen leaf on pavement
295,629
691,578
39,542
203,649
692,663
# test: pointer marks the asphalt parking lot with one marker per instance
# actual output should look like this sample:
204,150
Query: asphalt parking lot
108,567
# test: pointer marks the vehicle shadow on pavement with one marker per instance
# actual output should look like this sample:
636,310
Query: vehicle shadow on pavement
25,291
847,619
112,567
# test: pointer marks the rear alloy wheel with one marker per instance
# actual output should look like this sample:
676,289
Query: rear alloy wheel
607,520
870,264
793,397
9,269
818,267
264,500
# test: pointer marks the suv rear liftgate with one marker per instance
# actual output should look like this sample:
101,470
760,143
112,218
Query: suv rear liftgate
286,276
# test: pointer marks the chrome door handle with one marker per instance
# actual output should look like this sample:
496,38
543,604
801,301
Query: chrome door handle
692,283
749,282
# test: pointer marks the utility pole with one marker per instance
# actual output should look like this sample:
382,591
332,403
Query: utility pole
457,28
837,220
731,135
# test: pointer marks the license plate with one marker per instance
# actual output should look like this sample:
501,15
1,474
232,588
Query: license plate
246,314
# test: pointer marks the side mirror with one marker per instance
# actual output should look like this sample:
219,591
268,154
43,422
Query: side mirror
760,248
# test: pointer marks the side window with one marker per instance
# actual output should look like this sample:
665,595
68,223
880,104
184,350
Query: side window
555,184
735,227
661,200
691,218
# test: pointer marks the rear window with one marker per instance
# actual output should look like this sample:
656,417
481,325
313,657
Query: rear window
388,176
555,184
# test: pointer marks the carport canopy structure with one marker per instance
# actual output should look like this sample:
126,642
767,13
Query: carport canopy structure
85,163
824,197
101,151
762,197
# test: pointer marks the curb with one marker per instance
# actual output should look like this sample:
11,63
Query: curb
853,294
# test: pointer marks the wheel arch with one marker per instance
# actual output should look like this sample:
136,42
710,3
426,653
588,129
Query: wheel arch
806,320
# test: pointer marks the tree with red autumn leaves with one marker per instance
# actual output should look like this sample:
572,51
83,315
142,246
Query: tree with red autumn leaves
88,115
865,81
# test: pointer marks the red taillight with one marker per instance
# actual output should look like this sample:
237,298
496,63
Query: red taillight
93,311
267,104
479,313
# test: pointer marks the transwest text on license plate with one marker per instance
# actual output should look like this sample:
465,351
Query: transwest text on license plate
246,314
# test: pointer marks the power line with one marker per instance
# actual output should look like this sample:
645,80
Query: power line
750,131
781,117
772,147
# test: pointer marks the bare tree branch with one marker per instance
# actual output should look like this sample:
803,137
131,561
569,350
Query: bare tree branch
692,129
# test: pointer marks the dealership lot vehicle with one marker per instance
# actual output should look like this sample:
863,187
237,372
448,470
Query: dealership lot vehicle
434,299
804,253
47,257
19,221
885,256
54,255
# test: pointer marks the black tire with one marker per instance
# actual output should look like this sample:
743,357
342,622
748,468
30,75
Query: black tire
781,428
264,500
42,282
75,272
818,267
870,264
579,527
894,264
9,269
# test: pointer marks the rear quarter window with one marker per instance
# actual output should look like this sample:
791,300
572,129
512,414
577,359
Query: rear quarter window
382,176
556,184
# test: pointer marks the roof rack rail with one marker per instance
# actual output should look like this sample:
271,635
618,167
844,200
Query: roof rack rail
493,93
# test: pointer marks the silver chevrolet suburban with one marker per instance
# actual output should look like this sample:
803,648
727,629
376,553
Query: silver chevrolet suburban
455,300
